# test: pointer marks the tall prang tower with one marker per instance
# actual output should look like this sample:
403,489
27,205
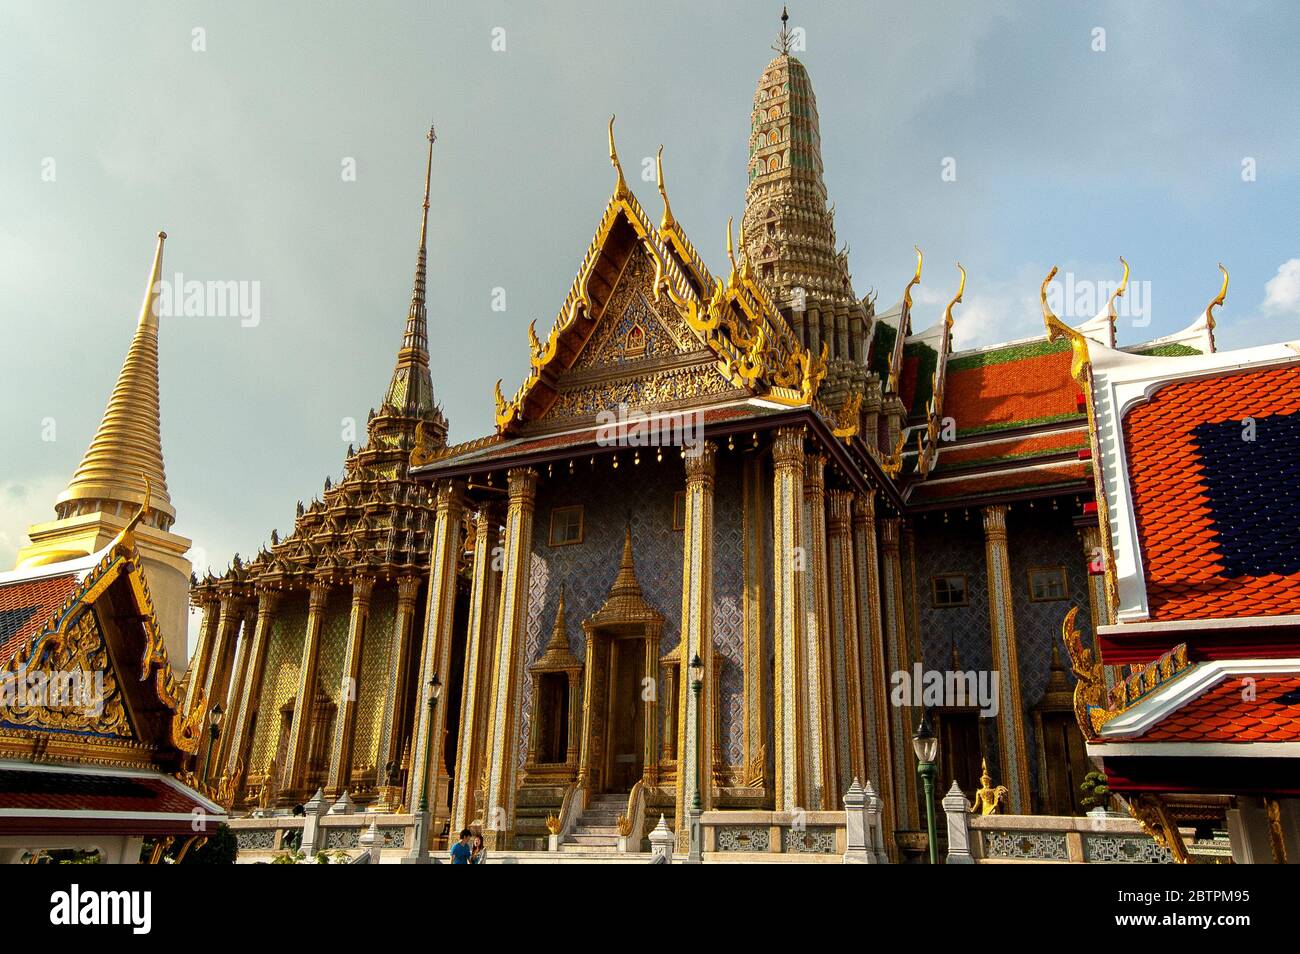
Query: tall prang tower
788,232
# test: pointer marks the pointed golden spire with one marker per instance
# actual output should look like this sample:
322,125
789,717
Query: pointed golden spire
559,632
668,221
626,583
125,457
411,389
620,186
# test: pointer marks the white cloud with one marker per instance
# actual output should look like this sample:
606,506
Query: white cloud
23,503
1282,291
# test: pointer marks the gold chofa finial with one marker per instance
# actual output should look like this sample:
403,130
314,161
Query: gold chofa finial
1218,299
620,187
961,290
731,250
916,279
668,220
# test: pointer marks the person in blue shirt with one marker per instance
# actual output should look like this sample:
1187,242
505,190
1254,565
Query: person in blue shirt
460,851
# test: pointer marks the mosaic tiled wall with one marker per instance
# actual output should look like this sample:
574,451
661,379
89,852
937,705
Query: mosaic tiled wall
374,677
644,495
1036,538
279,676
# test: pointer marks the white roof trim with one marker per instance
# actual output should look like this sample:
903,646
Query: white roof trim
1186,687
1121,380
1192,750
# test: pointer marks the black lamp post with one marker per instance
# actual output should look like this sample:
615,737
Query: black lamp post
215,715
420,849
926,746
697,683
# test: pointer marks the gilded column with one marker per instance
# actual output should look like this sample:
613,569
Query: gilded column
821,725
788,617
218,675
295,758
233,693
695,728
241,719
1002,623
203,651
755,655
1098,606
895,640
875,675
345,721
435,656
508,662
849,721
399,663
478,672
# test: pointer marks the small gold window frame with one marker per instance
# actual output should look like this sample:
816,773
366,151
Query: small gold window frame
934,590
559,524
1059,572
679,510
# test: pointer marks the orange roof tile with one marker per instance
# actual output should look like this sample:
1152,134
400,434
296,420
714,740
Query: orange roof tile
1013,481
1015,386
1180,529
1221,714
1013,448
27,605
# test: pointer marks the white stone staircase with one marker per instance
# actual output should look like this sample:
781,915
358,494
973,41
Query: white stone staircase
596,832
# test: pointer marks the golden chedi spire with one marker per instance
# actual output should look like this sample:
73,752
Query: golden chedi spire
122,470
411,389
127,447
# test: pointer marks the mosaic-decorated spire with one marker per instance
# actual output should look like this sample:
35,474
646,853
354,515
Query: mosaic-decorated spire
127,447
411,390
788,231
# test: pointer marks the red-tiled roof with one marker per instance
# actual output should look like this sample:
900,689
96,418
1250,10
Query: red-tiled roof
1269,712
27,605
1181,528
1012,386
998,482
1017,448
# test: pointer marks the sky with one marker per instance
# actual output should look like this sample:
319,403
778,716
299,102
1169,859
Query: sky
282,147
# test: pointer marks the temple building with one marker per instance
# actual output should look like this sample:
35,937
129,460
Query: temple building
718,539
96,748
312,646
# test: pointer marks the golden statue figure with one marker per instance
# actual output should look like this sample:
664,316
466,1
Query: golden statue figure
988,799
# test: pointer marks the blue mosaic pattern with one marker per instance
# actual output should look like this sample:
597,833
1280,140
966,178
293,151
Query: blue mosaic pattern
1253,492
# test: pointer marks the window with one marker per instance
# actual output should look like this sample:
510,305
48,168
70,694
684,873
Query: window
1048,583
566,526
949,590
679,510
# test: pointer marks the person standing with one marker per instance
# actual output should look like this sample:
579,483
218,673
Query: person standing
460,851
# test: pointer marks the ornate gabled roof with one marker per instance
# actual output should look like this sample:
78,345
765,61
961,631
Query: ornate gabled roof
624,605
558,656
91,616
753,346
127,448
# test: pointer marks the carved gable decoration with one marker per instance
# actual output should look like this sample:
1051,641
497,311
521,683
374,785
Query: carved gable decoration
84,673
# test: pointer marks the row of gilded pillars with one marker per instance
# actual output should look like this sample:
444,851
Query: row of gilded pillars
842,623
248,621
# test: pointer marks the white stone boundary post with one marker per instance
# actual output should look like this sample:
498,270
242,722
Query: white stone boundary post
958,812
875,824
661,843
311,840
